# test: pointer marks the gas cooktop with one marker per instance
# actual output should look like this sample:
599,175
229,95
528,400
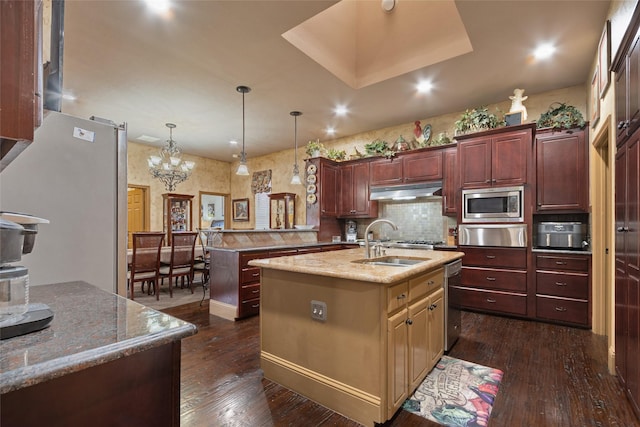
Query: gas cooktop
417,244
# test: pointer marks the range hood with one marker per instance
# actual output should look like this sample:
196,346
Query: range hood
407,192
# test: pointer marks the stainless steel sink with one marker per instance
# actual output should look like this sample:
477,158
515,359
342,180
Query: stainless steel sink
392,261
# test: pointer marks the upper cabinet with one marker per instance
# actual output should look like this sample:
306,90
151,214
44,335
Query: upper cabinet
20,77
499,157
450,193
627,82
562,166
408,168
354,191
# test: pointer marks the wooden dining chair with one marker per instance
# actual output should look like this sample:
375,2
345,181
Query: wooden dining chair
202,263
181,265
145,260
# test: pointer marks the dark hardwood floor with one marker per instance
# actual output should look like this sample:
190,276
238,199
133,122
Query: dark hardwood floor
553,376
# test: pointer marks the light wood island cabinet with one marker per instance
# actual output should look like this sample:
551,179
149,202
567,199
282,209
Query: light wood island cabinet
358,339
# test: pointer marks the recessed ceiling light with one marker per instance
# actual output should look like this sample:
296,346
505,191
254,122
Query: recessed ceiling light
330,130
424,86
68,97
544,51
233,142
341,110
147,138
158,6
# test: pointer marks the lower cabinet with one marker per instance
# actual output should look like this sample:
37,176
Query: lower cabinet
415,329
494,280
563,288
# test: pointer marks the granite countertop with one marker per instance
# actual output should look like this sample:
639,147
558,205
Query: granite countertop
340,264
90,327
265,230
276,247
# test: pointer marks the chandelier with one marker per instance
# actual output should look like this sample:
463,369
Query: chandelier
169,167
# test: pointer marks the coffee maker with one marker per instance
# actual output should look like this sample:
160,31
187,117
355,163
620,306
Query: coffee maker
351,229
17,315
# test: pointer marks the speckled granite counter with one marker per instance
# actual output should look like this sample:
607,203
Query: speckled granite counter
96,341
340,264
268,247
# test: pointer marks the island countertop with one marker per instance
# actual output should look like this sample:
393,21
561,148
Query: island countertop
340,264
90,327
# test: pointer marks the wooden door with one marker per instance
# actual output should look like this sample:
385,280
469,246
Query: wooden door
436,327
329,176
135,213
450,186
510,154
475,162
398,361
360,186
419,360
421,167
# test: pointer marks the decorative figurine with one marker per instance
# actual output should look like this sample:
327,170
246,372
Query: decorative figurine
417,131
516,103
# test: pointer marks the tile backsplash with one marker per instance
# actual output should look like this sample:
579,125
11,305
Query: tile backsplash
416,220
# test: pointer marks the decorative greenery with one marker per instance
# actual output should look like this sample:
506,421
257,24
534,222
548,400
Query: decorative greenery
313,147
441,139
561,116
336,155
379,148
357,154
476,120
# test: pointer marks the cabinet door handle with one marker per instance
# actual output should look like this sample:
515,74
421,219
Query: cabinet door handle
255,291
491,279
433,307
409,322
491,300
621,125
561,263
561,284
561,309
430,283
487,181
255,306
401,296
255,275
490,256
620,229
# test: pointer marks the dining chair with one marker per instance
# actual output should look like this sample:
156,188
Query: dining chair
145,260
181,265
202,262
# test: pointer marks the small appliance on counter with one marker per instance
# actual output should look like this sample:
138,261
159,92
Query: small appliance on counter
562,235
351,231
17,316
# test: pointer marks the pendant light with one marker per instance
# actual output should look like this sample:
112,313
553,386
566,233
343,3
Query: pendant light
295,179
242,168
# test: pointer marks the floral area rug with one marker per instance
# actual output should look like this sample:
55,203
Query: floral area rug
456,393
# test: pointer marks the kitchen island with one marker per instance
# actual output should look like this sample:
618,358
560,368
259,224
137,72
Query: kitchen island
104,360
357,338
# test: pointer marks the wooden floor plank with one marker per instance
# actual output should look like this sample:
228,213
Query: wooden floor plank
553,376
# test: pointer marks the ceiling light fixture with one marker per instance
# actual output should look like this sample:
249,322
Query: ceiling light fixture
388,5
168,167
544,51
331,131
340,110
424,87
295,179
242,168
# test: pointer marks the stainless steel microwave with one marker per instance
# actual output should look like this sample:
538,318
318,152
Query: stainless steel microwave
497,204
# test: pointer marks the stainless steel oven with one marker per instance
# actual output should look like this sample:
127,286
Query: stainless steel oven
501,235
501,204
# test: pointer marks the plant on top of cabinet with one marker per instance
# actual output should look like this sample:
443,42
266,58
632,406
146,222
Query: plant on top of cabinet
315,148
336,155
561,116
476,120
379,148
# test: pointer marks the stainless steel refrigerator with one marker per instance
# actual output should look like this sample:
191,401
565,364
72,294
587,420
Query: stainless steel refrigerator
74,174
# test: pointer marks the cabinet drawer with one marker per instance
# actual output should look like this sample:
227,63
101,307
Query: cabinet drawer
494,257
562,310
250,275
249,307
397,296
248,292
568,285
425,284
558,262
500,302
246,257
493,278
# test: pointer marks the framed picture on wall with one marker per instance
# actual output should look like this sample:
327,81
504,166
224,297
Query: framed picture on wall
240,208
604,59
595,98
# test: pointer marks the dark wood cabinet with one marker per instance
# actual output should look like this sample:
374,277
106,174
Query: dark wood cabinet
626,66
450,185
354,192
406,168
328,180
176,214
323,201
563,288
500,157
562,171
493,280
20,76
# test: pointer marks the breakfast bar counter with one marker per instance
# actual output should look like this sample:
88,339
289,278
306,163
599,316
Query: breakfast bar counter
353,334
104,360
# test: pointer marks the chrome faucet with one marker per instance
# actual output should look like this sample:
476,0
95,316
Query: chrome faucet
366,234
